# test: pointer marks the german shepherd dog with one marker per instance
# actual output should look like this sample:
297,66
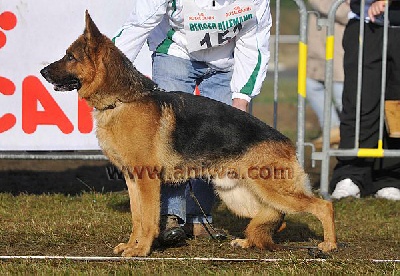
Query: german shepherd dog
140,125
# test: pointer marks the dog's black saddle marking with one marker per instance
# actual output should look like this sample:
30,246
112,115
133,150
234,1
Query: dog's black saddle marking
208,129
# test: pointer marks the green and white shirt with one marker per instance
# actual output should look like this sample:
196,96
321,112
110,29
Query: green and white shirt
227,34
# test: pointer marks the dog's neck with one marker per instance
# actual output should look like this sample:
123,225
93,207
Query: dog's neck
102,102
109,107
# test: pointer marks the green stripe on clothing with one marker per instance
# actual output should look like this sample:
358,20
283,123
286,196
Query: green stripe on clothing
118,35
173,6
249,86
164,46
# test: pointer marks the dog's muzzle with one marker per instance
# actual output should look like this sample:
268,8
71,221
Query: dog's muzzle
66,83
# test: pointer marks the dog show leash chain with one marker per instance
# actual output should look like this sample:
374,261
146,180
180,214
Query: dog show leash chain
207,226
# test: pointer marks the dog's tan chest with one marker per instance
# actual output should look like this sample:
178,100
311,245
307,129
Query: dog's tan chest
128,134
106,139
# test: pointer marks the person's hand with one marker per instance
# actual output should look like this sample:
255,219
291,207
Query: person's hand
377,8
240,104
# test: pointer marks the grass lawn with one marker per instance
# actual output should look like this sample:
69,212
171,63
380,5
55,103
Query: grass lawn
92,223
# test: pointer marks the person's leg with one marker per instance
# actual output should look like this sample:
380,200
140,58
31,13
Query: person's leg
315,97
173,74
214,85
177,74
204,193
387,170
337,107
358,169
217,85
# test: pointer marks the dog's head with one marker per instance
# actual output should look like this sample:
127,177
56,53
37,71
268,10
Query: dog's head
100,72
80,66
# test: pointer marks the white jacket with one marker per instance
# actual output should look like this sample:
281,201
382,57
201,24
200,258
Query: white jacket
161,23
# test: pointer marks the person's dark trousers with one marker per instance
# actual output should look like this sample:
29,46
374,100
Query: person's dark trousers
369,174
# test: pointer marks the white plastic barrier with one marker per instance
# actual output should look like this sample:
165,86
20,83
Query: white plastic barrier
34,33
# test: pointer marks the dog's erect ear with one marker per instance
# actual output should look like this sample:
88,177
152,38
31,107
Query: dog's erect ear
91,31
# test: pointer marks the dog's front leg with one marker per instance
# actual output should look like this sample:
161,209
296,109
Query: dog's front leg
135,207
144,197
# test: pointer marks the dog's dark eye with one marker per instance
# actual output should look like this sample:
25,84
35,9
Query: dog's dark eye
70,57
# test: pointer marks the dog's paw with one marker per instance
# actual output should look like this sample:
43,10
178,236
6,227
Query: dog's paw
327,246
120,248
243,243
136,252
131,250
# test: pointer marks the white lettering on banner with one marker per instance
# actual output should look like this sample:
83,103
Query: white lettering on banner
206,28
32,115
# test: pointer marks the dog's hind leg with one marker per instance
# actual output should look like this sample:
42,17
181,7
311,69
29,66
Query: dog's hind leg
260,230
320,208
323,210
145,204
296,201
243,202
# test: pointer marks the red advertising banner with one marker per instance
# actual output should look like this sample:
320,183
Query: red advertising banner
34,33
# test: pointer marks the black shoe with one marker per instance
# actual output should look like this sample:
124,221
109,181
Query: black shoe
172,236
171,233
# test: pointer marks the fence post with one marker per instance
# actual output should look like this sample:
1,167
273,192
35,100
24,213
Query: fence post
276,60
301,84
330,42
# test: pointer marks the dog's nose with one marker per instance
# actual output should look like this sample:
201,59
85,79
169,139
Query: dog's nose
44,72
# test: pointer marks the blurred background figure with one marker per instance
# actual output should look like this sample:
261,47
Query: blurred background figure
316,66
353,176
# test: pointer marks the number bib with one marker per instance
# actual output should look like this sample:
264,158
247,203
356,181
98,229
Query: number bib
206,28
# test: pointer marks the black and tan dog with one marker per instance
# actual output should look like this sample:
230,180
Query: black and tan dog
140,126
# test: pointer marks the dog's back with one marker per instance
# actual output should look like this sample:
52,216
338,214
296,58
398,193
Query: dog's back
210,129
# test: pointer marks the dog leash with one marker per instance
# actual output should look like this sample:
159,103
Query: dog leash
207,226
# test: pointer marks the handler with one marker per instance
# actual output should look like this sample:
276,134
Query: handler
220,46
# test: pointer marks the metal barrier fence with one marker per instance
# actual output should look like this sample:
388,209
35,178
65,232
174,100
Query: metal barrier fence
301,77
328,152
